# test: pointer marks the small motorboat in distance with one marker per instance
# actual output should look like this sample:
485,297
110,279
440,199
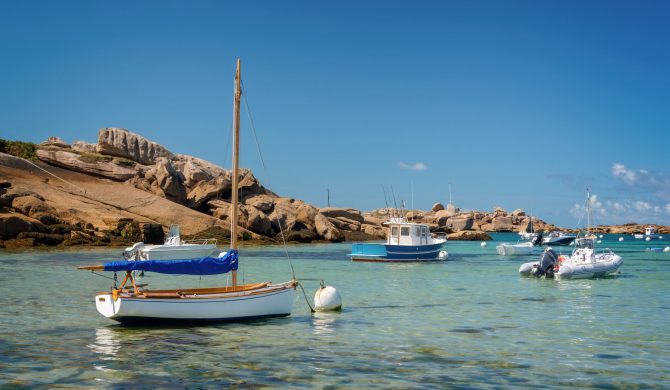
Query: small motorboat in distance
174,248
558,238
406,241
649,233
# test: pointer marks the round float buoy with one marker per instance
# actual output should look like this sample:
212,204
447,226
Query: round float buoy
660,237
667,249
327,298
600,236
483,244
647,239
620,238
443,255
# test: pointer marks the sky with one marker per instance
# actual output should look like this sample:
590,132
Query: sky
512,104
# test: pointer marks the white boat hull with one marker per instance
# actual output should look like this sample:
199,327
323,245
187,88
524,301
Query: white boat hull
605,264
506,249
271,301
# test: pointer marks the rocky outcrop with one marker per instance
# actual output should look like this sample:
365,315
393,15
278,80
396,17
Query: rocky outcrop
122,143
437,207
105,166
466,235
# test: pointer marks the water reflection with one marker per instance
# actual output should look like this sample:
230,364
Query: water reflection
324,322
106,344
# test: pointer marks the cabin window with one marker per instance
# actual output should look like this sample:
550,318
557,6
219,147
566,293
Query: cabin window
424,231
404,231
394,231
417,231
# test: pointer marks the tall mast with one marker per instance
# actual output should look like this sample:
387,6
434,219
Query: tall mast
236,155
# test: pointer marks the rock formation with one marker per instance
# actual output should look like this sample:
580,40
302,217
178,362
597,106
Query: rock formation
126,187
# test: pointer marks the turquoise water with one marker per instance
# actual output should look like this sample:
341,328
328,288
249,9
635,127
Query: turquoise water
470,322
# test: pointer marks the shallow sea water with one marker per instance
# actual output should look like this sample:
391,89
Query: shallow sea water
470,322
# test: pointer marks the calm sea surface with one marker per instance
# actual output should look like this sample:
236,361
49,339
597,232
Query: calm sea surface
470,322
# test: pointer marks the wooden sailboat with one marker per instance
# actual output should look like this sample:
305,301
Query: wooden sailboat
131,303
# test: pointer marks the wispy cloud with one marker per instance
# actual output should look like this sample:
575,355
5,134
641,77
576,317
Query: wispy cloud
413,167
629,176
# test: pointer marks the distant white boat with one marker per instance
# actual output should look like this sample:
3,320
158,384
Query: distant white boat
558,238
174,248
649,234
519,249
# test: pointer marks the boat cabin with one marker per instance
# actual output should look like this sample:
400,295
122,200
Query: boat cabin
401,232
649,231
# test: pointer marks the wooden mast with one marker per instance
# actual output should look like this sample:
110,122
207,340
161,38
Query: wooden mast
236,155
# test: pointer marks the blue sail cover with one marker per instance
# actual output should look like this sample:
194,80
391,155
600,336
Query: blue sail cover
204,266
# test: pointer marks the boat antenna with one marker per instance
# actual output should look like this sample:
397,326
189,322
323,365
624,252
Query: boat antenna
412,202
236,154
386,202
449,192
395,204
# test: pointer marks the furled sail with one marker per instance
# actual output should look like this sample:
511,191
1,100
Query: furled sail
221,264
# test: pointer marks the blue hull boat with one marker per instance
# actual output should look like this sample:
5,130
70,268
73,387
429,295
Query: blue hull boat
397,253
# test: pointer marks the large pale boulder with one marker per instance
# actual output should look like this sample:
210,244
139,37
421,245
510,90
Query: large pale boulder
261,202
105,166
84,147
326,229
437,207
461,222
258,222
284,213
165,180
336,212
306,214
518,213
503,224
345,223
123,143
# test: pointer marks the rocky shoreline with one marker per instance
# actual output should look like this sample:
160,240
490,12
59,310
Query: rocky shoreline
126,189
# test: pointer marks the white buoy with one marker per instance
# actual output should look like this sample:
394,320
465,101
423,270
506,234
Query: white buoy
600,236
483,244
647,239
443,255
599,241
327,298
620,238
660,237
667,249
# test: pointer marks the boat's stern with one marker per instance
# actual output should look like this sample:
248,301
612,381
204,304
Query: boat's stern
367,252
107,305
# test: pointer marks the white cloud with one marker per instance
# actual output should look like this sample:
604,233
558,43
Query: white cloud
642,206
627,175
413,167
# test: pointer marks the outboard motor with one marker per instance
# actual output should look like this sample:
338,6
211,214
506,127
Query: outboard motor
133,253
537,241
545,268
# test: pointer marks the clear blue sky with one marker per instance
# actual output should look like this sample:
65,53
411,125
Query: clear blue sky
518,104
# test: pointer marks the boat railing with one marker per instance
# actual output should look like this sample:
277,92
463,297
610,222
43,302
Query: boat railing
200,241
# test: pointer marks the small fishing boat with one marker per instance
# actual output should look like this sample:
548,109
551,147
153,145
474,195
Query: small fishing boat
649,234
406,241
583,263
529,234
558,238
174,248
518,249
133,303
